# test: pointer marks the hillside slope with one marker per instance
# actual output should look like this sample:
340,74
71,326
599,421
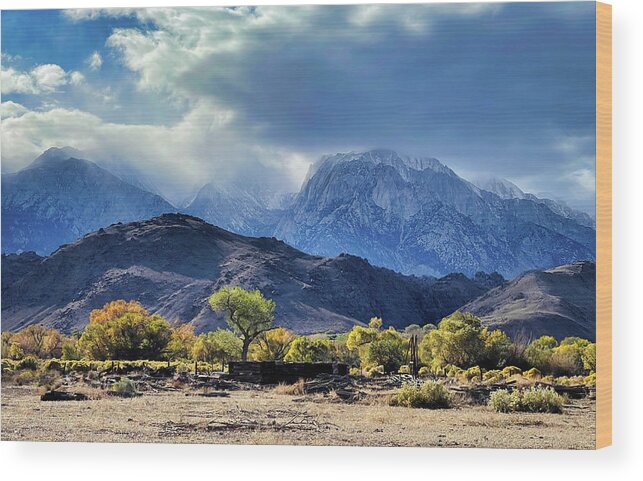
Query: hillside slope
172,263
559,302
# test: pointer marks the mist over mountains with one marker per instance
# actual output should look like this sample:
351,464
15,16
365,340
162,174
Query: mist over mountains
411,215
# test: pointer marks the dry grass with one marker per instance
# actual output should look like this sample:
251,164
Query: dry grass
296,389
265,417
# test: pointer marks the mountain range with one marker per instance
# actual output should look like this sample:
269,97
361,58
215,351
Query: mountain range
172,263
411,215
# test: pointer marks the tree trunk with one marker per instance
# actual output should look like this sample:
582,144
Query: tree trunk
244,350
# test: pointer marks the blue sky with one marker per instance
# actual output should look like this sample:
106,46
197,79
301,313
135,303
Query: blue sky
184,96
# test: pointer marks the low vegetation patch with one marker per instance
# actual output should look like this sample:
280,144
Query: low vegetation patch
430,395
124,388
290,389
533,400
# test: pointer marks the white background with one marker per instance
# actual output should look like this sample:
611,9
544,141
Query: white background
624,460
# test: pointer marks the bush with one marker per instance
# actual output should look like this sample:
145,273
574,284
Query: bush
494,375
430,395
404,369
532,373
511,371
590,380
355,371
424,371
473,373
28,362
375,371
501,400
53,365
291,389
533,400
125,388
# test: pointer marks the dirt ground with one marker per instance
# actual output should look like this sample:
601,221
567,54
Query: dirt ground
265,417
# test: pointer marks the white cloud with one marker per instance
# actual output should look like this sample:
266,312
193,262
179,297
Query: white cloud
12,109
76,78
49,77
202,147
42,79
14,81
94,61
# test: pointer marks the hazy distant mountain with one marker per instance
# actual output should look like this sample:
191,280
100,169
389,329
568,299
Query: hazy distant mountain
415,215
58,198
234,209
172,263
559,302
506,189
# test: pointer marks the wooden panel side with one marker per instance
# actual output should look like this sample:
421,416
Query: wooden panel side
603,225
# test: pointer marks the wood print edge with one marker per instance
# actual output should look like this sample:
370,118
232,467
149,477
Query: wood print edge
603,225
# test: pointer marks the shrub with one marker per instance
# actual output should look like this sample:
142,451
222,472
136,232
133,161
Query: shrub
501,400
291,389
53,365
532,373
533,400
355,371
511,371
375,371
430,395
424,371
25,377
590,380
473,373
404,369
494,375
125,388
28,362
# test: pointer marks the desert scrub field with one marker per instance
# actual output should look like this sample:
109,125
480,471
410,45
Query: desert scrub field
285,416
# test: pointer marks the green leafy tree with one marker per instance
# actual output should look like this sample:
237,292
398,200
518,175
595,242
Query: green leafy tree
539,352
389,349
272,345
589,357
497,346
221,345
248,313
304,349
458,340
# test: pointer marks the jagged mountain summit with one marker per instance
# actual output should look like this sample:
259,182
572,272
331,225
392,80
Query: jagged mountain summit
417,216
411,215
172,263
58,198
506,189
558,302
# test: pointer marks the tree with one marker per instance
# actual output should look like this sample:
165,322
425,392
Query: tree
375,323
272,345
389,350
221,345
457,340
125,331
497,346
589,357
114,310
248,313
539,352
181,342
304,349
38,341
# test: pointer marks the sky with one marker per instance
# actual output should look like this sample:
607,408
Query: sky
190,95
